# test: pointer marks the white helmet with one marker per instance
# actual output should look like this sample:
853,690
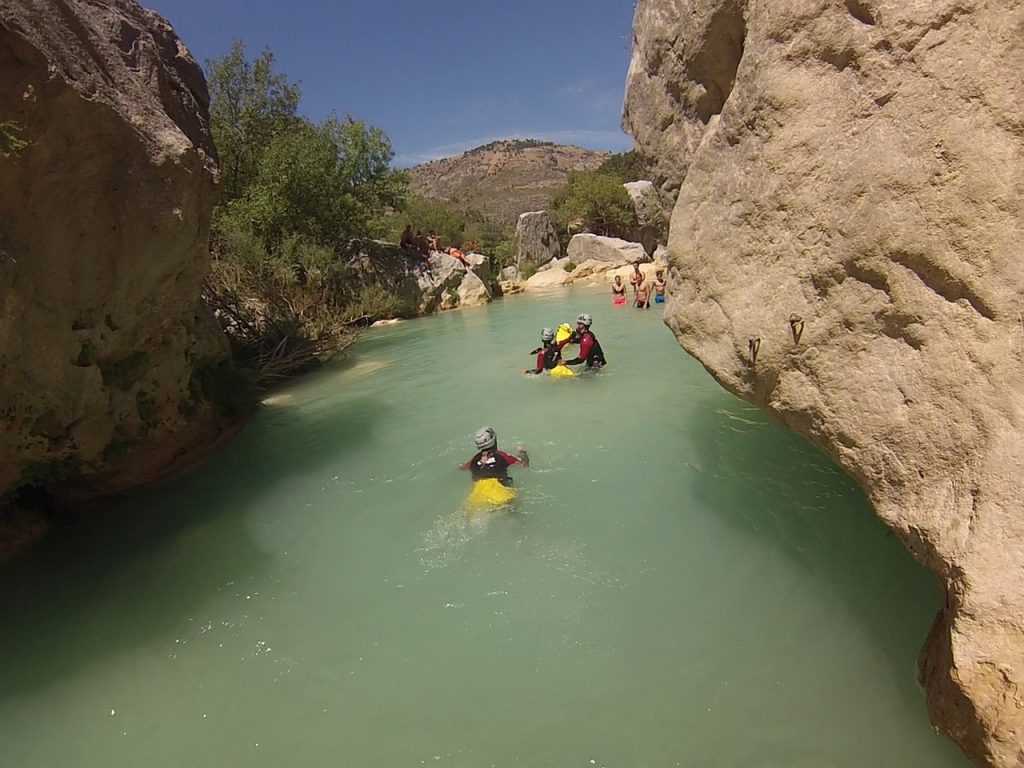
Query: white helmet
585,319
547,335
485,438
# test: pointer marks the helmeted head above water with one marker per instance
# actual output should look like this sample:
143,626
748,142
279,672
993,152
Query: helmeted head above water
485,438
547,335
584,319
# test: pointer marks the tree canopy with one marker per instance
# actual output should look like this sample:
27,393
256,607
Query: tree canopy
294,193
250,105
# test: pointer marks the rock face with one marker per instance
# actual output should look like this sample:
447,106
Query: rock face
536,239
103,246
649,214
855,170
587,247
448,283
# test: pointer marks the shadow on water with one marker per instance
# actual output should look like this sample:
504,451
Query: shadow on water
772,485
61,602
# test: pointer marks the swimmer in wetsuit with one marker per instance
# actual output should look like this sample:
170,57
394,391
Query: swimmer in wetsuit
590,348
489,462
549,355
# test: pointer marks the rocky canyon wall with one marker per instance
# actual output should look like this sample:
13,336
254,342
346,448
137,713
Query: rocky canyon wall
847,251
104,219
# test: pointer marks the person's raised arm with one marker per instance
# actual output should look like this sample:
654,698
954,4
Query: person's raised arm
523,455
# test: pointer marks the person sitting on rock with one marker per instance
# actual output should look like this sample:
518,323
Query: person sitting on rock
659,286
433,241
590,348
456,253
549,354
421,243
408,241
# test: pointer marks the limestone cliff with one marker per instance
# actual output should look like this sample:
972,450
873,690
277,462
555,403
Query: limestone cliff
103,246
853,169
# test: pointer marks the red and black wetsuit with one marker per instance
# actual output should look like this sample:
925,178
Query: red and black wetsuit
590,351
492,464
548,357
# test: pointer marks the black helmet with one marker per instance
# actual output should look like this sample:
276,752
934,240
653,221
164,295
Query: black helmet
485,438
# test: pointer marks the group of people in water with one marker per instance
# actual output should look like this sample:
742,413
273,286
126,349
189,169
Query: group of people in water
549,354
641,288
490,464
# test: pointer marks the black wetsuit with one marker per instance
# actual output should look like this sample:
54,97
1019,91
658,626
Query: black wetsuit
590,351
492,464
548,357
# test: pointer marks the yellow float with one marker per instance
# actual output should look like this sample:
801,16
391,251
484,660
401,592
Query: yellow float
488,494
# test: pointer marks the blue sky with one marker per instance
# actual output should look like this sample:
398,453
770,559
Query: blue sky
438,76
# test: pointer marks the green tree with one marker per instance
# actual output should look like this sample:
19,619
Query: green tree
628,166
595,201
326,183
250,105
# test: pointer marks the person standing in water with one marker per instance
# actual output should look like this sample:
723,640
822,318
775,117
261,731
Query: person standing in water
548,355
636,279
618,292
659,286
590,353
489,462
643,296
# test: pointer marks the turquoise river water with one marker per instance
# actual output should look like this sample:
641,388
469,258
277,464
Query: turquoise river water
683,583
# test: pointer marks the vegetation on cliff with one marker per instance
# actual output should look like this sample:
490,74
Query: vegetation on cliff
295,193
595,201
10,143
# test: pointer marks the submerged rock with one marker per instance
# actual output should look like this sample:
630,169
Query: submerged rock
104,218
850,199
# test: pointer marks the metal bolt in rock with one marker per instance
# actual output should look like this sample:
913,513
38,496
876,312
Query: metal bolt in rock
753,347
796,327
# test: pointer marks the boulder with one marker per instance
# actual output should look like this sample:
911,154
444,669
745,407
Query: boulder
591,270
472,291
536,239
510,273
104,231
554,264
549,278
853,170
587,247
510,287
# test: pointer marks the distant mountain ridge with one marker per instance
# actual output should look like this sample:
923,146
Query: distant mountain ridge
504,178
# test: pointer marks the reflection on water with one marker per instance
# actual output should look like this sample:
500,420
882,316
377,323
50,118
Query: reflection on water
679,583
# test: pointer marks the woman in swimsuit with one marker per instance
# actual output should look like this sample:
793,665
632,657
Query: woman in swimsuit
618,292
